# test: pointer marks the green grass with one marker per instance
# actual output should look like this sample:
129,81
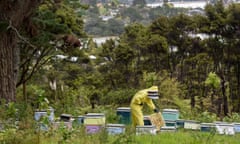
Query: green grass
78,136
181,137
189,137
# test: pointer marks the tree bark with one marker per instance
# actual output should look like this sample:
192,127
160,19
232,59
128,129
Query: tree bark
12,16
225,98
7,75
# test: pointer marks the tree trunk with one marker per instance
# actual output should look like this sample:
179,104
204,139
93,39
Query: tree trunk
7,75
12,16
225,98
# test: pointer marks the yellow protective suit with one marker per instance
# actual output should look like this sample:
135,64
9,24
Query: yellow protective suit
136,105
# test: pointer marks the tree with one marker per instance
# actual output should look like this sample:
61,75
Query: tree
40,31
13,14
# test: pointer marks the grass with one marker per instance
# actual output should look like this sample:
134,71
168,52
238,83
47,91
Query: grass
180,137
188,137
78,136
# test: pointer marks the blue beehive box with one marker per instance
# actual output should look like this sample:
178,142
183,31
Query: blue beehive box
180,123
237,127
78,121
170,114
38,114
207,127
124,114
170,123
115,128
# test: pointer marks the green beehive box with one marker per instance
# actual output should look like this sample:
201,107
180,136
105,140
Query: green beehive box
170,114
124,114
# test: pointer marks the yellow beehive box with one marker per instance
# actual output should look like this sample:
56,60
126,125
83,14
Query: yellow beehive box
94,119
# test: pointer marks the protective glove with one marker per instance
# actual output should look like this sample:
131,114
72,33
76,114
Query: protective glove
156,110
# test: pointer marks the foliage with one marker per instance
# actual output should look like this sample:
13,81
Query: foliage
118,97
168,53
127,15
234,117
207,117
213,80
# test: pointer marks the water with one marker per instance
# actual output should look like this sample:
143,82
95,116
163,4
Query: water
182,4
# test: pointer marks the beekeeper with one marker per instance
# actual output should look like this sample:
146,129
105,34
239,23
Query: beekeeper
143,97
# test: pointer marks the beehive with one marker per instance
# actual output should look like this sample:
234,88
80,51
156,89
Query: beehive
94,119
225,128
180,123
149,129
38,114
170,123
115,128
236,127
170,114
124,114
92,129
168,129
78,121
207,127
191,124
147,120
94,122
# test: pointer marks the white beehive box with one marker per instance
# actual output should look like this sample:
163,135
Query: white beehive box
168,129
192,125
148,129
225,128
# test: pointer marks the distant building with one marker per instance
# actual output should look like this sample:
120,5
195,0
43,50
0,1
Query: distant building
126,2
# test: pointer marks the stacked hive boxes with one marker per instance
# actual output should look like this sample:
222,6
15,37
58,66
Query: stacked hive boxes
124,118
78,121
180,123
40,114
94,122
65,122
170,116
124,114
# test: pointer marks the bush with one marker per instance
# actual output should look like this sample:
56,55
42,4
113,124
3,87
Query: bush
119,97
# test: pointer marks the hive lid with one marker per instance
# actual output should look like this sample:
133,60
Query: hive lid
66,115
95,115
170,110
146,126
115,125
124,108
192,121
208,124
168,128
